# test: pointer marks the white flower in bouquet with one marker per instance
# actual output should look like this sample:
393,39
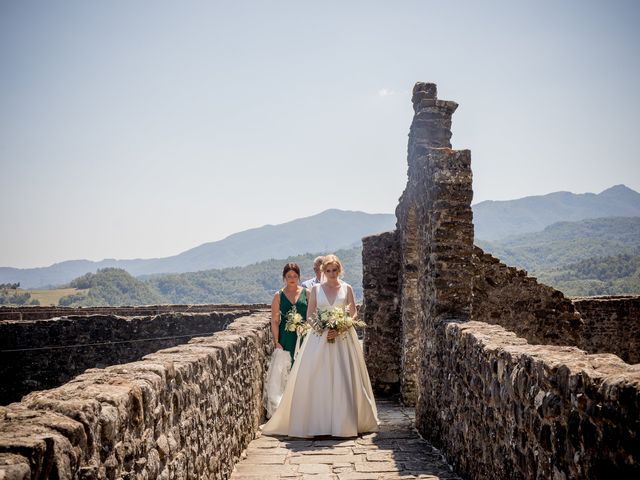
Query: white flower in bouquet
336,318
295,321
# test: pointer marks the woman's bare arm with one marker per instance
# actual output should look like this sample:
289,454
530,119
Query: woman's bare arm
351,300
275,319
312,306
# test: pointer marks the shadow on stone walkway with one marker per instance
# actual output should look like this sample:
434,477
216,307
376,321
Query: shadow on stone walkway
396,451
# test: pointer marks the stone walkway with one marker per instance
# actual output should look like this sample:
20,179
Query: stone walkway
396,451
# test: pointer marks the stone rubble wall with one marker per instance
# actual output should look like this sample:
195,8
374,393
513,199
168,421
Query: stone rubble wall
32,312
435,254
611,324
184,412
435,232
382,346
514,410
32,357
507,296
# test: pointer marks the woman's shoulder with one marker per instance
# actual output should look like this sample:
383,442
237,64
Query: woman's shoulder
276,298
348,289
304,295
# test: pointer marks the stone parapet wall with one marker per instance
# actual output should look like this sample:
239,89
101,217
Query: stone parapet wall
382,337
611,324
509,409
40,354
507,296
183,412
45,312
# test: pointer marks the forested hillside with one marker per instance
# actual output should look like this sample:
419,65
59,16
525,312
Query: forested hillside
500,226
564,243
110,286
250,284
11,294
618,274
589,257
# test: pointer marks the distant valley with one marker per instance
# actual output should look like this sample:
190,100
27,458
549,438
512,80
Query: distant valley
297,237
591,257
568,255
241,267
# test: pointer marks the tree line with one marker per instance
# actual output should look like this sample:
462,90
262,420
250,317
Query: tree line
9,295
254,283
582,267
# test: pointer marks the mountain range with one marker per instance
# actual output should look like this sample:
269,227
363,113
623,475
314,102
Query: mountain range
497,219
494,220
588,257
298,236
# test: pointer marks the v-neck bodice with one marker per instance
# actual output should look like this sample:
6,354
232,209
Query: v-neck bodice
300,304
323,300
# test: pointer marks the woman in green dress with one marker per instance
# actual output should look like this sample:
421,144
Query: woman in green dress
284,299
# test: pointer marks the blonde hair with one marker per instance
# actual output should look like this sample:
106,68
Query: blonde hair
332,260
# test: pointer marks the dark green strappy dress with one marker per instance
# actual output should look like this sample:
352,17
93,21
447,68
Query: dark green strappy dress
288,339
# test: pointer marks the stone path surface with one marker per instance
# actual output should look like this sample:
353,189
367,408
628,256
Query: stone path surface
396,451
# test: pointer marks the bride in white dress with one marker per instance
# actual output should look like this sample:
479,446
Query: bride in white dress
328,391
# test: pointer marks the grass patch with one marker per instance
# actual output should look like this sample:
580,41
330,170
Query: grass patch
51,297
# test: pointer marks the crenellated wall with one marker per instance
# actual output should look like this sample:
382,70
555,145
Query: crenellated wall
487,354
40,354
183,412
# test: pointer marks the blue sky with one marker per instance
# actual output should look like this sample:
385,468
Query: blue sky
141,129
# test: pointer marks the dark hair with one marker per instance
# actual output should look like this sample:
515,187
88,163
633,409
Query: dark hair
290,266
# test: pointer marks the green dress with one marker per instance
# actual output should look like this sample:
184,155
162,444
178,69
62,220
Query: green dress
288,339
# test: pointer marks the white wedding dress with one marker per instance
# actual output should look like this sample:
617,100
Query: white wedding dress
328,391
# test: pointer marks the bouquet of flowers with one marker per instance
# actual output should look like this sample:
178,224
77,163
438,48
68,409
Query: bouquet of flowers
336,318
295,322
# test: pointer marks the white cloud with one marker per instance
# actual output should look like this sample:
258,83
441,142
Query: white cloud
385,92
